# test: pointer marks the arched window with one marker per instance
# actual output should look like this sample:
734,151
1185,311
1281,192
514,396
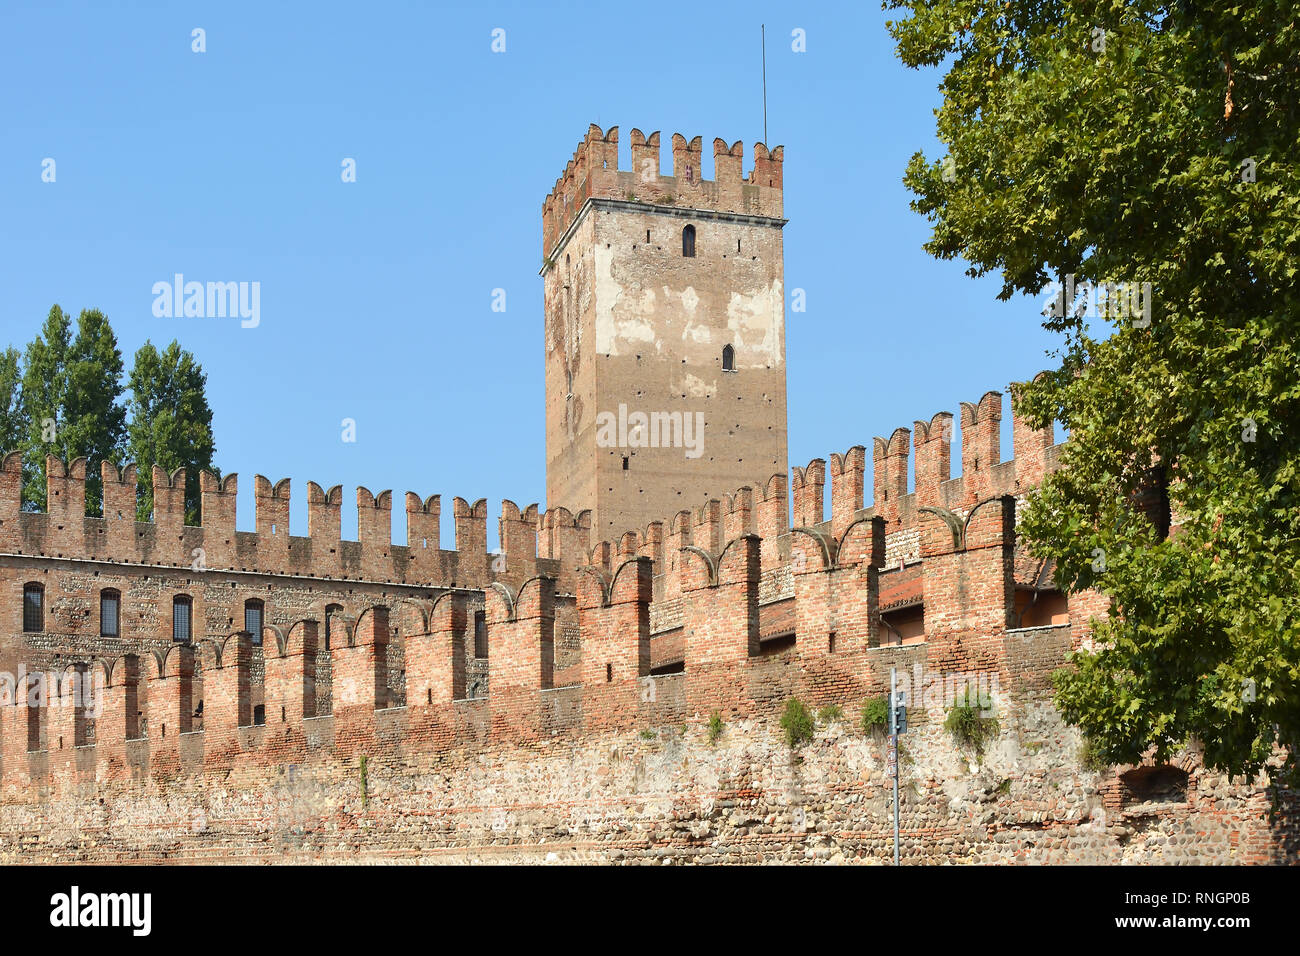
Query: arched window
330,611
728,358
688,241
110,606
253,619
181,608
33,608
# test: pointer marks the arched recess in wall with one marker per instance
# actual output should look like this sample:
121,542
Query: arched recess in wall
688,242
331,611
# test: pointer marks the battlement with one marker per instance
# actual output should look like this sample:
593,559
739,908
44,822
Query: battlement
771,513
65,531
560,540
236,698
593,173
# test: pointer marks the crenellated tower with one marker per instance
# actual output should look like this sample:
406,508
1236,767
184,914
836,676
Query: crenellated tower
665,329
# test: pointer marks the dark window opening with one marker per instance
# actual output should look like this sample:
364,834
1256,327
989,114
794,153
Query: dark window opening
109,607
728,358
259,715
625,462
181,608
33,608
830,644
253,619
609,673
778,644
688,242
480,634
1161,784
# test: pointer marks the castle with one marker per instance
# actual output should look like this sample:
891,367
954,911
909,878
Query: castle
270,696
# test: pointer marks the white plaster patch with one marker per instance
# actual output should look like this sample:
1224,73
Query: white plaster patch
696,387
690,299
757,320
608,294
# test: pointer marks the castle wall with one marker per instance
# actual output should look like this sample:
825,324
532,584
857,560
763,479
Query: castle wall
582,733
617,764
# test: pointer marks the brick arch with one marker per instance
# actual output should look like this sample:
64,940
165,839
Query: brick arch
278,634
421,610
603,584
827,546
710,563
293,639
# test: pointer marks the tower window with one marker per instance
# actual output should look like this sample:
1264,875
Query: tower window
688,242
33,608
625,462
480,634
181,618
253,619
110,603
728,358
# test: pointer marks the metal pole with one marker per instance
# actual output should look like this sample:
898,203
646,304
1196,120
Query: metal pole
764,28
893,746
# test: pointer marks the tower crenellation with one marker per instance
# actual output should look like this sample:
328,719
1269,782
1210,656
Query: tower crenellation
593,172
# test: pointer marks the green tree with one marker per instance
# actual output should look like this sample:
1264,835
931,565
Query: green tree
1146,142
171,423
13,424
71,394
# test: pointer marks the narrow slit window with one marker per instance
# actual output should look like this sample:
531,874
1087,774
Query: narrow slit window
253,619
33,608
728,358
688,242
181,608
110,604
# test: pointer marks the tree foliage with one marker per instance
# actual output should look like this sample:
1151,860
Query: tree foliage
1146,142
13,424
171,423
71,394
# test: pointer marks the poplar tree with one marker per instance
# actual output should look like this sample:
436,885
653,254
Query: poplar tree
13,425
171,423
71,398
1145,142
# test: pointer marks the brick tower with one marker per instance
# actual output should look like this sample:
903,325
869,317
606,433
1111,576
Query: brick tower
665,330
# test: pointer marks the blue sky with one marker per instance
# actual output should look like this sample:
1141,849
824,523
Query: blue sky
376,295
